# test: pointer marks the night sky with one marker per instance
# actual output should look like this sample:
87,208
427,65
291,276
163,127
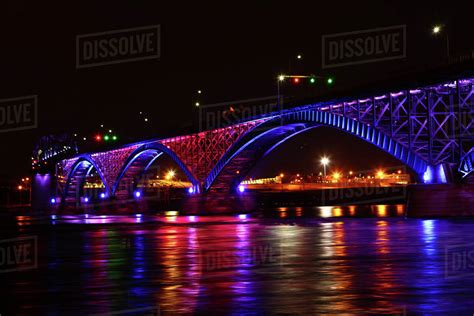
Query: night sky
229,50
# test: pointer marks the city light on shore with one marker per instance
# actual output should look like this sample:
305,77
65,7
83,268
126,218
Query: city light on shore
170,175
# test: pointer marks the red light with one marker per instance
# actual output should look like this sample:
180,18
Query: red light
296,80
98,138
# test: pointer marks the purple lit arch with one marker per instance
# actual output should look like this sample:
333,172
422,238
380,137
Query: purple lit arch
142,158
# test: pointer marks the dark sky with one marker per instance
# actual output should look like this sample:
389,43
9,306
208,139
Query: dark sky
230,50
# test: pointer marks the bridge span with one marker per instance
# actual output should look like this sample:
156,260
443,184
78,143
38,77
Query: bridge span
429,128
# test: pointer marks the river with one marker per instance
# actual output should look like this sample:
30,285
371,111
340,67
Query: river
353,260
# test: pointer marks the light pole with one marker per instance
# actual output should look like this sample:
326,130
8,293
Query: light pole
437,30
280,108
28,187
281,78
324,162
20,188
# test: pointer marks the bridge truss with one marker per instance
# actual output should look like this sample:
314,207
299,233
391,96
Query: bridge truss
434,123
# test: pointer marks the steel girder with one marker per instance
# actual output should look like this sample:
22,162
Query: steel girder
434,123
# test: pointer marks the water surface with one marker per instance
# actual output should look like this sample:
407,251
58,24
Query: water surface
311,263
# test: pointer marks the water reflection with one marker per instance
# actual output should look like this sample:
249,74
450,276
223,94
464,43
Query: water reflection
429,236
298,264
396,210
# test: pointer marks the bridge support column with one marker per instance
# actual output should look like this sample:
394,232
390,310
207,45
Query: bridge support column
43,190
440,200
437,174
443,194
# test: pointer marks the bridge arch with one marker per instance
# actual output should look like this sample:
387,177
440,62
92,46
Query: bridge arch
140,160
264,138
76,177
466,167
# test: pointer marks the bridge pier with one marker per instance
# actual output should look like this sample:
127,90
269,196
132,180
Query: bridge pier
219,203
440,200
42,191
441,173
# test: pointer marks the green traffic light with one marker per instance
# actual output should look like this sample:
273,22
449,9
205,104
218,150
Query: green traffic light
330,81
106,137
114,137
312,80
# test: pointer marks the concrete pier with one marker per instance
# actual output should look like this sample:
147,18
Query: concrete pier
440,200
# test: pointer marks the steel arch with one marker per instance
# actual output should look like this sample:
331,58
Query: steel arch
81,159
159,149
466,166
319,118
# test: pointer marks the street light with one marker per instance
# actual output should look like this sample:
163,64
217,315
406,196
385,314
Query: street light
324,162
437,30
380,174
170,175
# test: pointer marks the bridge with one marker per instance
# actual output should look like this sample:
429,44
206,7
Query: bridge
428,128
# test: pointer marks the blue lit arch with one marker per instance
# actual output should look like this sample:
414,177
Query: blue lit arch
466,167
264,138
85,162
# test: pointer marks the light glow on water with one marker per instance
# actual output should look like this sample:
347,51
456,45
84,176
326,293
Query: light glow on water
245,258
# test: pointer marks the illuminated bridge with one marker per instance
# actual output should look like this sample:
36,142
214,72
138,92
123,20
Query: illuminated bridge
429,128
